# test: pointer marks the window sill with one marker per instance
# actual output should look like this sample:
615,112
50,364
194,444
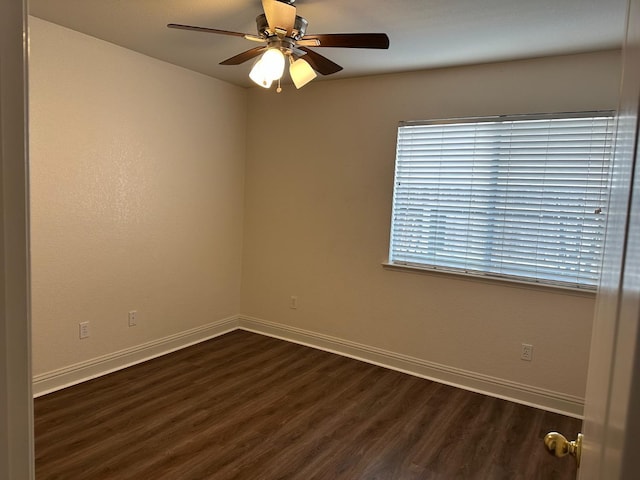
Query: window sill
509,282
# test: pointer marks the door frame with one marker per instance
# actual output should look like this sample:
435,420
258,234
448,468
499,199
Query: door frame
611,424
16,401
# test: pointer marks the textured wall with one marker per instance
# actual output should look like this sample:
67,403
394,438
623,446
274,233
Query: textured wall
318,209
136,195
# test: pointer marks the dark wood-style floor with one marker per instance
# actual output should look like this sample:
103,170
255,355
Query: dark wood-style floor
245,406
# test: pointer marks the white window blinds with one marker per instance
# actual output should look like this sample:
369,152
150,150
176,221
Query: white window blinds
522,197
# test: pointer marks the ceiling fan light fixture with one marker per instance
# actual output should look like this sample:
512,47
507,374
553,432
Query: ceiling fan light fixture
301,73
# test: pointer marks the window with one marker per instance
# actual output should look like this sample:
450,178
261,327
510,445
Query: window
519,197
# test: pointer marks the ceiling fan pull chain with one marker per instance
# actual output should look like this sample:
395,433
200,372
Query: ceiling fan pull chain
279,89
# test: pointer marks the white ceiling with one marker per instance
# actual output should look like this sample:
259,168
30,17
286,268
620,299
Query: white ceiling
423,33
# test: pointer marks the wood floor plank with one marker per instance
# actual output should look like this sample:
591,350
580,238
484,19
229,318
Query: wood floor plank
245,406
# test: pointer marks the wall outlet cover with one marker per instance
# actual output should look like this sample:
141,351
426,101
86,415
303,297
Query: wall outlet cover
526,352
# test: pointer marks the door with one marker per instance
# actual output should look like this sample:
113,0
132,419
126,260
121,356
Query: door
613,386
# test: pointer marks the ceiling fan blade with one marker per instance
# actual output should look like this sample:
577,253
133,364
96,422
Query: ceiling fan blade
351,40
308,43
279,15
209,30
319,63
244,56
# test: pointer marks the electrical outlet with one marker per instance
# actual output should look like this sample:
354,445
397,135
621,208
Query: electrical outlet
84,329
527,352
133,318
293,302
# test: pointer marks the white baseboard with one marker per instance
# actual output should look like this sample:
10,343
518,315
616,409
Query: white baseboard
96,367
496,387
475,382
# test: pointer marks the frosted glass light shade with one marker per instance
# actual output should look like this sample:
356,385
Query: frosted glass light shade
301,73
257,74
273,63
268,68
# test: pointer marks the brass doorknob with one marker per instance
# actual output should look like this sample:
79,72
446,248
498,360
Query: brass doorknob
558,445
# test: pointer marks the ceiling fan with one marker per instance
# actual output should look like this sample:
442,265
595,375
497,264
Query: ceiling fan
281,34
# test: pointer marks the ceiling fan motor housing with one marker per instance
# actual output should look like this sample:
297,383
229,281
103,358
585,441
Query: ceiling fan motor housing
298,31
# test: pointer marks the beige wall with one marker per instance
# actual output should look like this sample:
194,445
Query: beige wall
319,180
137,196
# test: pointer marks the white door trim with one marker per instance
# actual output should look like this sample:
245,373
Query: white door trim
16,406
